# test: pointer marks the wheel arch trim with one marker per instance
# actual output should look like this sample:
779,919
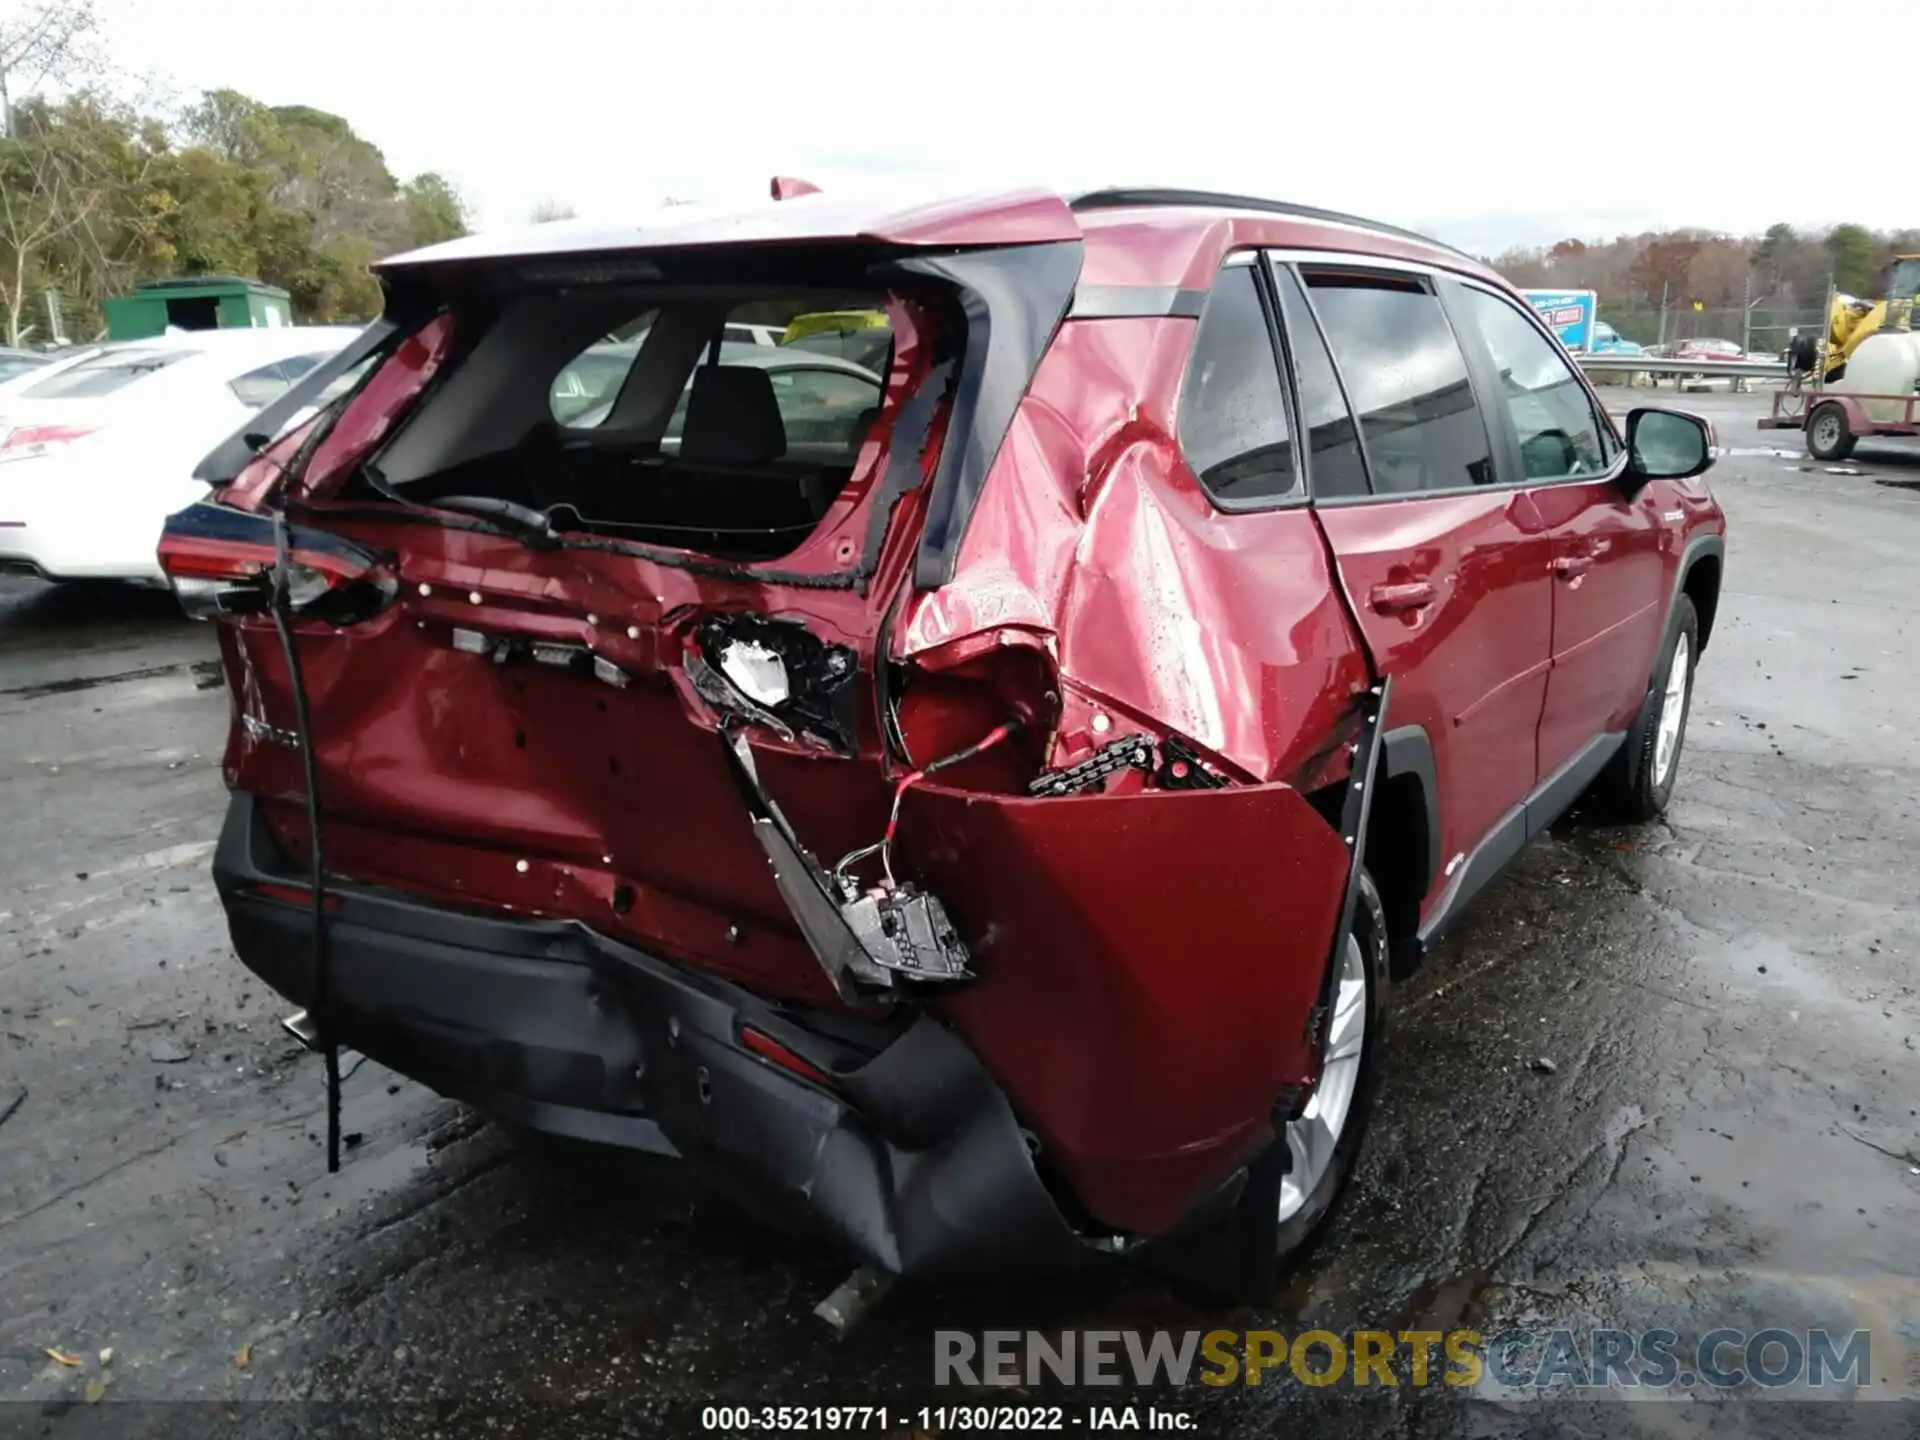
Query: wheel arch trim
1407,750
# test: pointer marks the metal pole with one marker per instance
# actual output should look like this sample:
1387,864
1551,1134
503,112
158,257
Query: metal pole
1826,334
1746,316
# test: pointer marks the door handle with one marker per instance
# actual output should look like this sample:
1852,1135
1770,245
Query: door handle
1408,595
1570,567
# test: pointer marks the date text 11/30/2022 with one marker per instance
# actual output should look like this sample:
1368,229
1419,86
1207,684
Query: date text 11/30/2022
942,1419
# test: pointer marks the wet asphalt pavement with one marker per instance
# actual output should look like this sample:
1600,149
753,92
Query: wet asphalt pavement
1724,1130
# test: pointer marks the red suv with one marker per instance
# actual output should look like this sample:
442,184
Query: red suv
969,805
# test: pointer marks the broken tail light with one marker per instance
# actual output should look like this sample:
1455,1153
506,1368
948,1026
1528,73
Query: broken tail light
776,673
221,561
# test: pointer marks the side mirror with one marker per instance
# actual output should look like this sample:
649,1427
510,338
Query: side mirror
1666,445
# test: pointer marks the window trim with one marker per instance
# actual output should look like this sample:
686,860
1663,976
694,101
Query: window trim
1300,492
1429,278
1273,264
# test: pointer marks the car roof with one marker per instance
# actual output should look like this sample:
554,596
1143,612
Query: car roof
1139,236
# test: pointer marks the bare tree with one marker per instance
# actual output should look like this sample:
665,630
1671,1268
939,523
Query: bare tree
62,184
548,211
44,41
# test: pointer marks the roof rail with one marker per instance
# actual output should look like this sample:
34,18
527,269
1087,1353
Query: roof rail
1127,199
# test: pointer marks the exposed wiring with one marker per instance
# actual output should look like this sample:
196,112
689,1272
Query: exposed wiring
281,609
884,847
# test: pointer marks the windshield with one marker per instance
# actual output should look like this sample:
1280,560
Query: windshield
1905,282
104,374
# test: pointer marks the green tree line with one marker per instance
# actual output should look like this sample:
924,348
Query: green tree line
96,196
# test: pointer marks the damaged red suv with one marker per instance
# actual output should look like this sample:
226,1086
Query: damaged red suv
969,805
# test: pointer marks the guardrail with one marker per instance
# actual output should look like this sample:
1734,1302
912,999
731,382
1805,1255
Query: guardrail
1662,365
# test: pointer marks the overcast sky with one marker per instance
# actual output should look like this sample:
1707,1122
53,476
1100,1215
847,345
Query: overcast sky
1487,122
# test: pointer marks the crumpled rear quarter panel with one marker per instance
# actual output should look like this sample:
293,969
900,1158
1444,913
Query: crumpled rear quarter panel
1148,964
1225,629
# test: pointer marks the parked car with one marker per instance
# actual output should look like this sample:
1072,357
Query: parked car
999,864
97,449
56,361
15,363
1708,350
741,333
862,336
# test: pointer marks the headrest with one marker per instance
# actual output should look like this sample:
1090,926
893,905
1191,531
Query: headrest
732,418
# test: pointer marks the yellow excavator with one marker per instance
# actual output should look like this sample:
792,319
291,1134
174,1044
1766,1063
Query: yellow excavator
1850,321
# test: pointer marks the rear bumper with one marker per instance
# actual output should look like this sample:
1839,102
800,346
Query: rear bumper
912,1160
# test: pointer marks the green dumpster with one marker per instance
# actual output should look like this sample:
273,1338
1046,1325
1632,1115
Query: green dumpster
199,302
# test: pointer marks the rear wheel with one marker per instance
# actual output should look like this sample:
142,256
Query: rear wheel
1828,435
1323,1143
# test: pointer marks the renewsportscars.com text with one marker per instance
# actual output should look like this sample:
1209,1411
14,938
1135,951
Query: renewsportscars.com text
1839,1363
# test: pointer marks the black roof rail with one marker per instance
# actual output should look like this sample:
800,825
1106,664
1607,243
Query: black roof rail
1120,198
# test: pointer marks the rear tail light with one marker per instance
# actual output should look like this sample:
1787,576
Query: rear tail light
221,561
30,442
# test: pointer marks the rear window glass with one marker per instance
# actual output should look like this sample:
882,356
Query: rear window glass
104,374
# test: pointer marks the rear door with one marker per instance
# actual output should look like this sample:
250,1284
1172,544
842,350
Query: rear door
1608,568
1443,557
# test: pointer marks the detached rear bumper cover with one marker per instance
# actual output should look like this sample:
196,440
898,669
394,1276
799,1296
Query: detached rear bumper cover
920,1170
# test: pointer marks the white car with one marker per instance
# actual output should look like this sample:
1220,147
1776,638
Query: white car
97,450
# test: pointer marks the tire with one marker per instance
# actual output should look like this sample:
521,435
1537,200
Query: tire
1636,785
1301,1212
1828,436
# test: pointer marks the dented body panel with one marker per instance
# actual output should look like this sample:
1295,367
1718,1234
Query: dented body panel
1220,628
989,827
1149,987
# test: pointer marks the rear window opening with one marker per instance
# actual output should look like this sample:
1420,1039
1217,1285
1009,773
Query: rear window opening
107,373
717,420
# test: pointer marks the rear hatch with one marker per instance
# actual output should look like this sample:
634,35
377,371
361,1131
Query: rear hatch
561,531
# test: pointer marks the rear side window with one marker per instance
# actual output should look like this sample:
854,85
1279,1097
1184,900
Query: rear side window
1560,436
1407,378
1334,462
1233,414
104,374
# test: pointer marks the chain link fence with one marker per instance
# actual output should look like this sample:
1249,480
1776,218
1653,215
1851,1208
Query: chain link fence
1761,329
